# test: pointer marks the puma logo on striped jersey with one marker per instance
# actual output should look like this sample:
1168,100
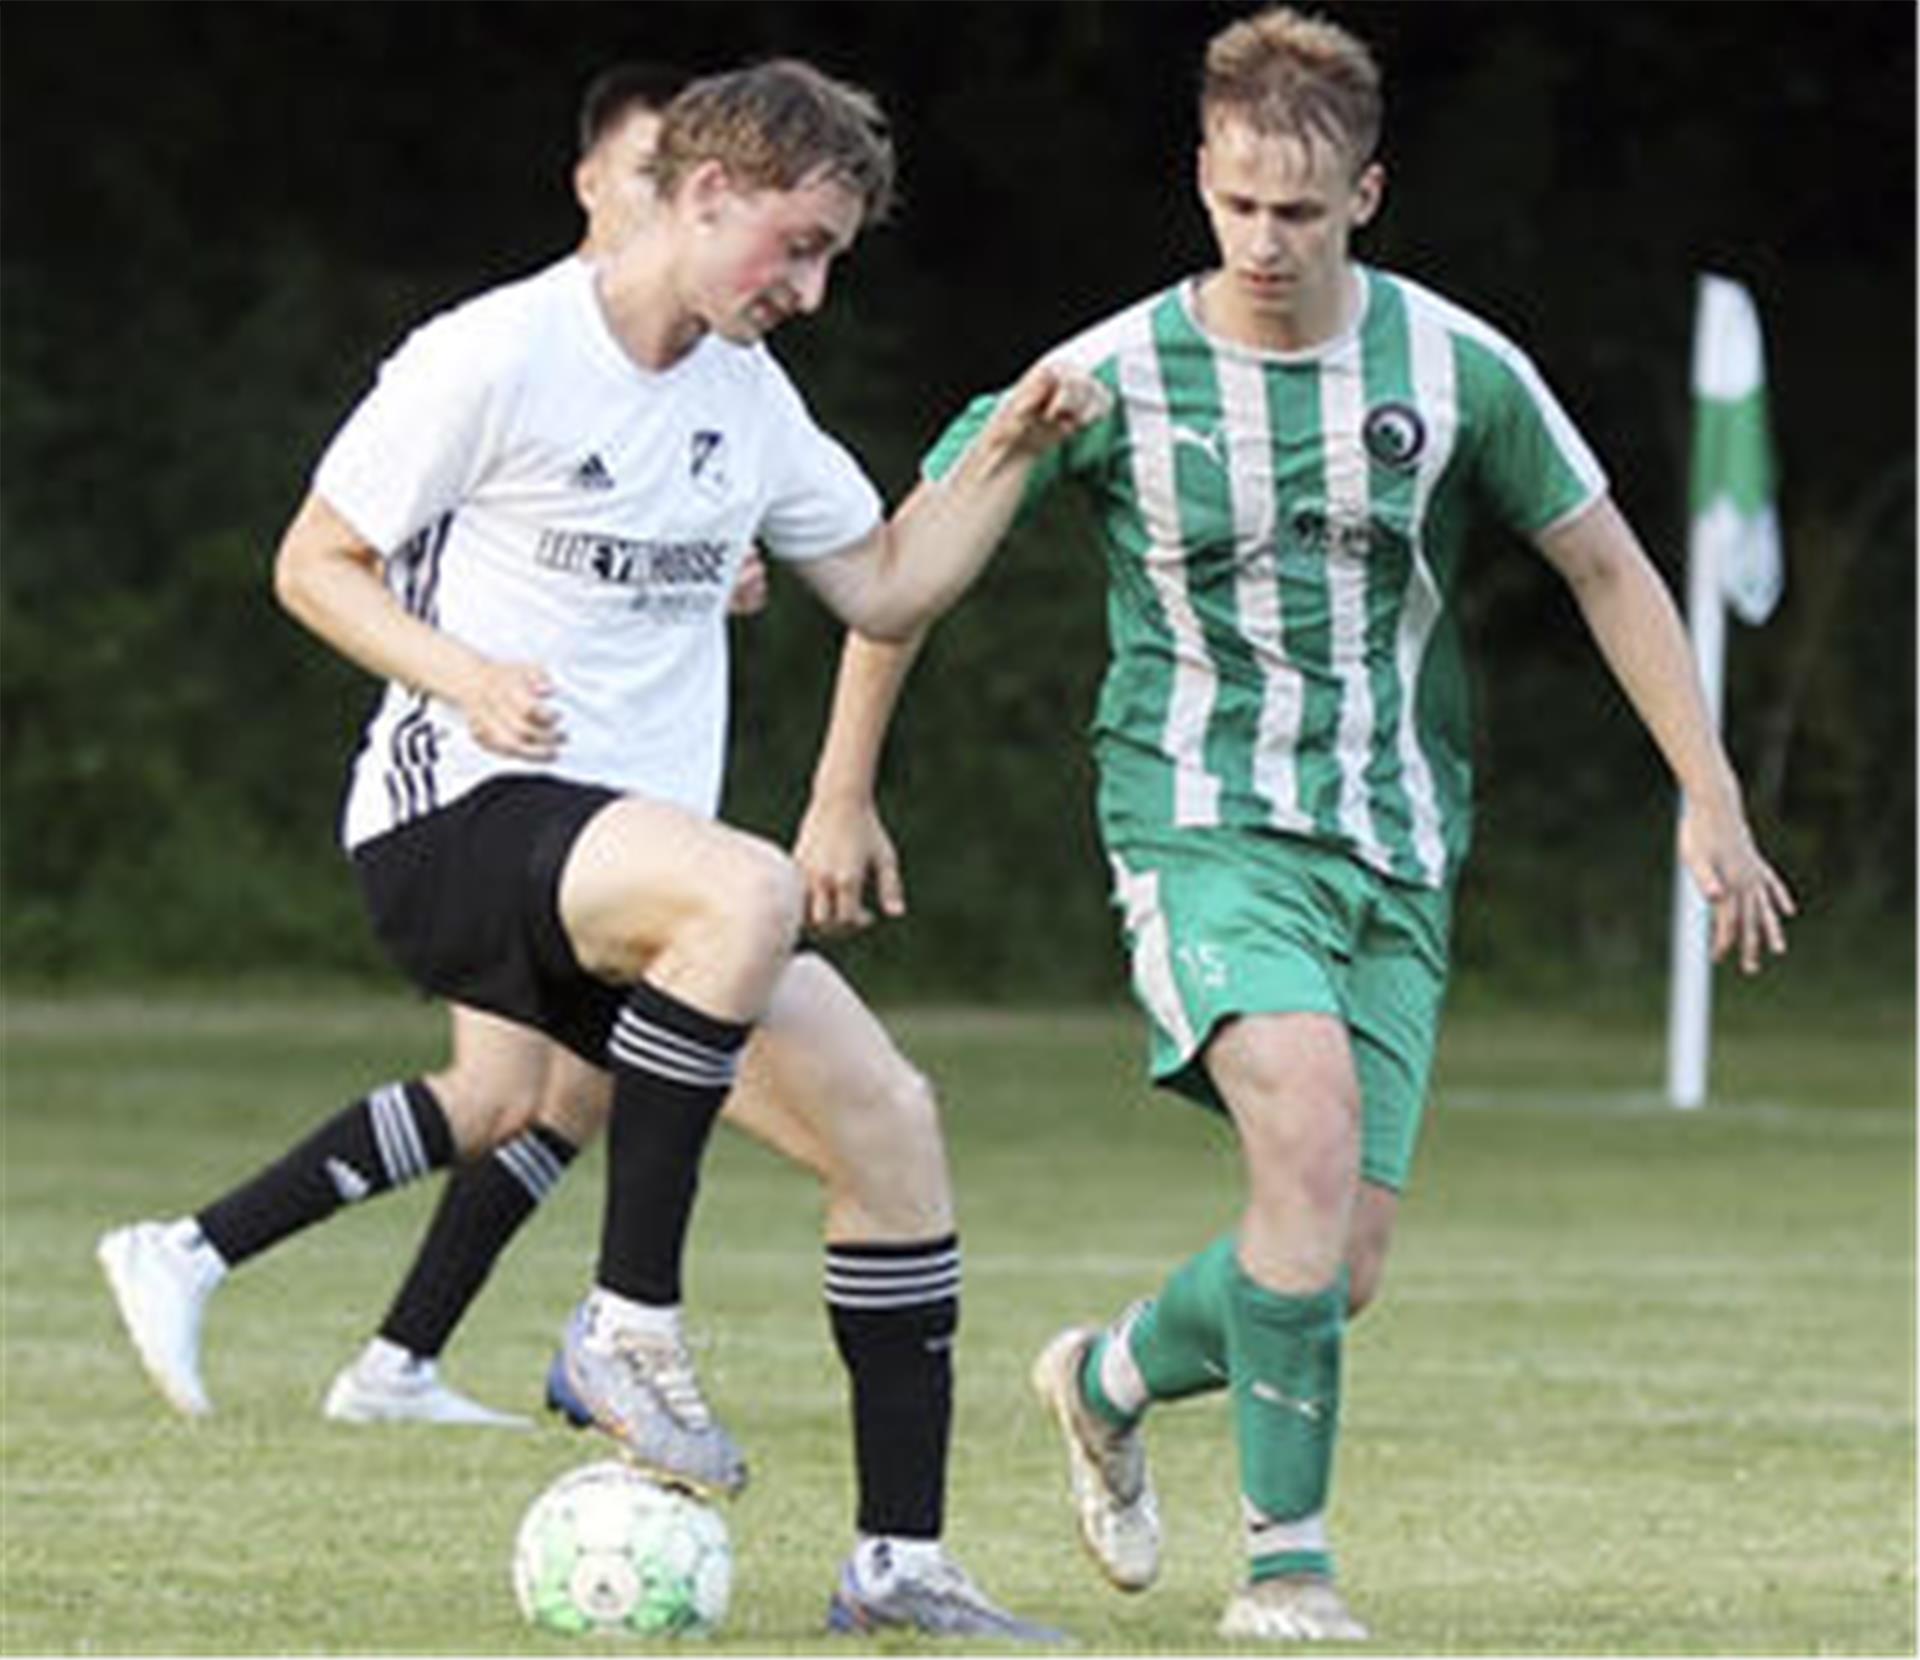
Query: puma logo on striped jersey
1209,444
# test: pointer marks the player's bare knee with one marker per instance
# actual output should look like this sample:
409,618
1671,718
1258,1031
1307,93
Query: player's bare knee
743,917
481,1114
764,898
576,1114
1314,1149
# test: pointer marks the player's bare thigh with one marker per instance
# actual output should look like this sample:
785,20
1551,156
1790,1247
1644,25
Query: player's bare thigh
700,910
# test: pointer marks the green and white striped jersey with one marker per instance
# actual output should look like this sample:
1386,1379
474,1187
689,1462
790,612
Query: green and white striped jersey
1283,533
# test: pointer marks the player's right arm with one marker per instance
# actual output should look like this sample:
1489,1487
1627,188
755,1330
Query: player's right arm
329,578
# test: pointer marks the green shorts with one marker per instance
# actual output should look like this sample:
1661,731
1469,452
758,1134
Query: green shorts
1223,922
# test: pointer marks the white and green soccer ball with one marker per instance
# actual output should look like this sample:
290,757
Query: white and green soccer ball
606,1550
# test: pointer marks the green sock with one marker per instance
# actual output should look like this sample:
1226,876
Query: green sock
1178,1341
1284,1355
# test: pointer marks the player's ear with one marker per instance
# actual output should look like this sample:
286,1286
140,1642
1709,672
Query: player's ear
1368,190
705,189
583,185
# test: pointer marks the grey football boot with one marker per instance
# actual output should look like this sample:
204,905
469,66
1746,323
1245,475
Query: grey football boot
640,1389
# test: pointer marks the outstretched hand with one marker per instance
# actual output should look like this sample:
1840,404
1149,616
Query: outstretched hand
1047,405
843,847
1749,900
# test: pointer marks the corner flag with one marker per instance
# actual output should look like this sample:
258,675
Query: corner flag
1733,560
1732,486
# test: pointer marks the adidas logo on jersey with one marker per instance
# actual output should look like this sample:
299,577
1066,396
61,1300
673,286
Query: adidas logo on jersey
592,474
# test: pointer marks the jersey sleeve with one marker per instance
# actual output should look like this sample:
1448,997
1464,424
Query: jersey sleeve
414,447
1079,454
1531,461
820,499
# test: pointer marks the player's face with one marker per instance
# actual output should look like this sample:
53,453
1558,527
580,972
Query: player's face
611,180
1282,213
766,255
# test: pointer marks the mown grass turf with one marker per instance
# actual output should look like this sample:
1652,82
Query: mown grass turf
1642,1382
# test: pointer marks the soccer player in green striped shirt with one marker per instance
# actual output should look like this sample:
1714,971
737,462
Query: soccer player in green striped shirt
1285,486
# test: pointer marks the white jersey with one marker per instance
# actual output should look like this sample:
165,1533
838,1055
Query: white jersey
541,497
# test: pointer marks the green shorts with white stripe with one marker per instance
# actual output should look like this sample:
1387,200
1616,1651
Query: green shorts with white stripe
1223,922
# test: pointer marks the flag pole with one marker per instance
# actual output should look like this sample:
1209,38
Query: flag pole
1733,561
1690,987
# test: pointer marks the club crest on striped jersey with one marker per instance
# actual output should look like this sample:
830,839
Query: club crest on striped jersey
1394,435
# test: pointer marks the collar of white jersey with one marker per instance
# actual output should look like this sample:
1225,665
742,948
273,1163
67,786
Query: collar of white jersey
584,291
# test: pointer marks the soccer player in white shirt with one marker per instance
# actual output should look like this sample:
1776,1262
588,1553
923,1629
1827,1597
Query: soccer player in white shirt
396,1377
529,529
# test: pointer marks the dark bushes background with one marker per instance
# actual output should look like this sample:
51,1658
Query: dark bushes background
217,218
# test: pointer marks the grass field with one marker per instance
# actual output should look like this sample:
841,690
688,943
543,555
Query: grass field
1642,1382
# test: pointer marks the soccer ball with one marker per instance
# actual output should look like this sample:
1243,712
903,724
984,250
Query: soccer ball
607,1550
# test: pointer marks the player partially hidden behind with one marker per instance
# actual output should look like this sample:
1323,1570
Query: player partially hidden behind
1284,493
530,528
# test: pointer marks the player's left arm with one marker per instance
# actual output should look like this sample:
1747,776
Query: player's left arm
1633,620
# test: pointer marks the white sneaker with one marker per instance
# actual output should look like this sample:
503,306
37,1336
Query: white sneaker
1292,1609
386,1385
1113,1496
161,1275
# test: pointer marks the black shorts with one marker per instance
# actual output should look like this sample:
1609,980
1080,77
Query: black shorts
467,902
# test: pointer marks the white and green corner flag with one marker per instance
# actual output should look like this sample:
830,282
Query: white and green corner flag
1734,524
1733,561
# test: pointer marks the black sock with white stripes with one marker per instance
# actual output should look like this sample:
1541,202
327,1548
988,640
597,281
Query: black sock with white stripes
895,1309
672,1068
394,1136
485,1202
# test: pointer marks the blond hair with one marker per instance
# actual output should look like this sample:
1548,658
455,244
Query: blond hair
774,127
1284,72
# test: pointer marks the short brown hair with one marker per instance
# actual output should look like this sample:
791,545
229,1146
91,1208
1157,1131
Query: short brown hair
1282,71
620,89
776,125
